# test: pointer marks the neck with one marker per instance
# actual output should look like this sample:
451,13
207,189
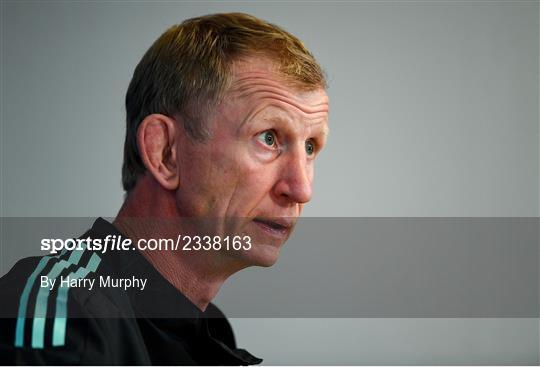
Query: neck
150,212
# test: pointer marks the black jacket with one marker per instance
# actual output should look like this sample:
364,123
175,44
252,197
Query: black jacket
107,325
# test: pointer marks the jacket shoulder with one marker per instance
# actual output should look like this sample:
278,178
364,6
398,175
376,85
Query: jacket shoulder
43,321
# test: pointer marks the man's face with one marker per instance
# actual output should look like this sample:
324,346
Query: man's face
255,173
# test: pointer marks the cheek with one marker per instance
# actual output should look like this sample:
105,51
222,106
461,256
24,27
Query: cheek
201,182
260,176
220,179
254,187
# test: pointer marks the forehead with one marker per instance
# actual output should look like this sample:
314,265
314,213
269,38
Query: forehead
258,77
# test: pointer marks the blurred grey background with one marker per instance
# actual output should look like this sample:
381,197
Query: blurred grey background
434,113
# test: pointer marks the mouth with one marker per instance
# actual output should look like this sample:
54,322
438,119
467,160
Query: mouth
278,227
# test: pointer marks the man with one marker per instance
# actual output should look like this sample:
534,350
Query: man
225,116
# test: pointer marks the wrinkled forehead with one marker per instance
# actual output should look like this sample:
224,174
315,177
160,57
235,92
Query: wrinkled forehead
257,77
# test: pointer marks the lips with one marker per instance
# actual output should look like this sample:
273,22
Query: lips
279,227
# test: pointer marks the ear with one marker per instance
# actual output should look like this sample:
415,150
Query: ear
157,141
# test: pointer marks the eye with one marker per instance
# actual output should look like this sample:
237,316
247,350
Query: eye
268,137
310,147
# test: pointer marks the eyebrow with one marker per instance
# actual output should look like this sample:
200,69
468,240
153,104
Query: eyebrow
277,119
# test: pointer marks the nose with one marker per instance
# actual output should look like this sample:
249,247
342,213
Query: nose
295,178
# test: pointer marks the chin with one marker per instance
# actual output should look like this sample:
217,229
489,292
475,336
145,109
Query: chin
261,255
269,258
